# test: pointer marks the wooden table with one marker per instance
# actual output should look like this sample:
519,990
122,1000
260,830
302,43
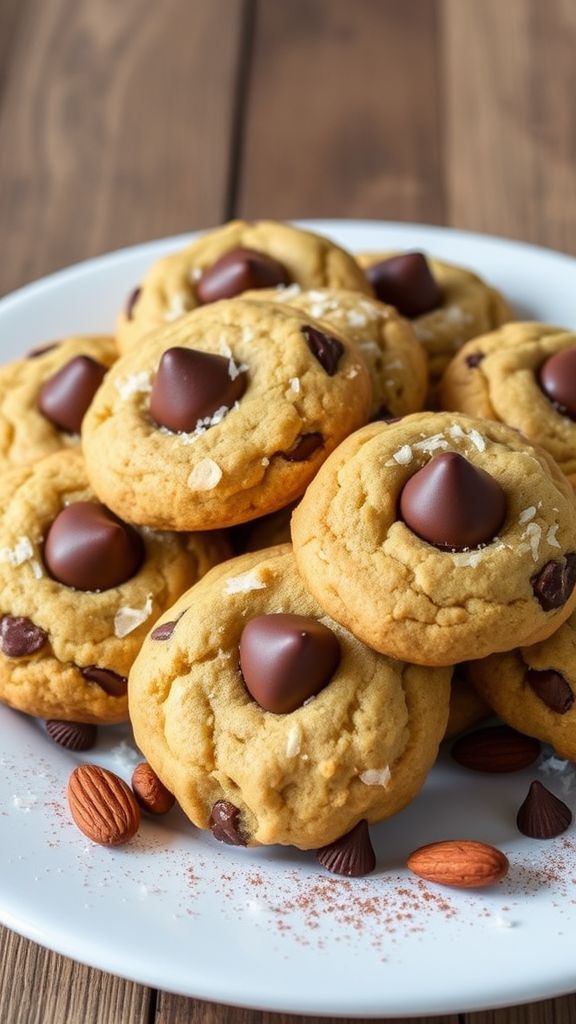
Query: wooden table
124,121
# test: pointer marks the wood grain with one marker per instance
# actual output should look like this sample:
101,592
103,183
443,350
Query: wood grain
551,1011
178,1010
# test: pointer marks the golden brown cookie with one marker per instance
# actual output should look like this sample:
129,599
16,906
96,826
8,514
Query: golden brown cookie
467,707
223,416
78,591
523,374
439,538
230,260
271,729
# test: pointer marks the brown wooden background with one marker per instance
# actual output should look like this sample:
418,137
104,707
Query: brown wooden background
125,120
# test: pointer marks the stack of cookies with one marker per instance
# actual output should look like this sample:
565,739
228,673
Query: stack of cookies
266,386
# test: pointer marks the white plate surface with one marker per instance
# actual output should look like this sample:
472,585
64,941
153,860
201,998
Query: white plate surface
270,929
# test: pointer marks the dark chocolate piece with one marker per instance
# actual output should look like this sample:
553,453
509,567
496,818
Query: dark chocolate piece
190,386
89,548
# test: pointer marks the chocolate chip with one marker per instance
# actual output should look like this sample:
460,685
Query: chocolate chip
164,631
64,398
558,381
225,824
543,815
305,446
240,271
474,359
406,282
324,347
552,689
384,415
35,352
109,681
90,548
285,659
19,636
131,302
72,735
352,855
554,583
190,386
452,504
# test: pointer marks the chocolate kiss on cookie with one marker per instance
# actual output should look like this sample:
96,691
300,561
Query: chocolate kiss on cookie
239,271
190,386
64,398
558,380
407,283
452,504
285,659
89,548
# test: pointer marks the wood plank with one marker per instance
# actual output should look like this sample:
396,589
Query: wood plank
510,140
178,1010
38,987
115,126
551,1011
343,114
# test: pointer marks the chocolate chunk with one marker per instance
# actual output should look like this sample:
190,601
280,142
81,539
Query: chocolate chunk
452,504
383,414
164,631
305,446
352,855
19,636
225,824
474,359
190,386
552,689
558,381
554,583
325,347
406,282
109,681
285,659
64,398
131,302
72,735
90,548
240,271
543,815
35,352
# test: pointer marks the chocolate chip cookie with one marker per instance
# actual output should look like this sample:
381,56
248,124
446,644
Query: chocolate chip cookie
79,588
467,707
270,722
233,259
523,374
43,397
223,416
447,304
439,538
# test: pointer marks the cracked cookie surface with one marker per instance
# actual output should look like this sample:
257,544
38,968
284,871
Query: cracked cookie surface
360,748
412,599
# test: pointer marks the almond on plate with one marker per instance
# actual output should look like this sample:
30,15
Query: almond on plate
463,863
102,805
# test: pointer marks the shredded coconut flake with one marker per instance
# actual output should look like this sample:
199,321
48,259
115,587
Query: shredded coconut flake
247,334
178,306
235,369
456,315
551,536
402,457
244,584
127,620
527,514
135,384
24,801
205,476
467,559
432,443
285,293
265,461
195,274
533,533
125,756
20,553
294,741
376,776
477,440
355,318
351,373
295,385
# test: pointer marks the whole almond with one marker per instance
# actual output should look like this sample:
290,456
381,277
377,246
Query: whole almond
102,805
497,748
462,863
150,793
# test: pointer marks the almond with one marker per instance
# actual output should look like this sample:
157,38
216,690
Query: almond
497,748
463,863
102,805
150,793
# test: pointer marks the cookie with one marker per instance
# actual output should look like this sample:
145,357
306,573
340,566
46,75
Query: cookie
79,589
534,688
233,259
439,538
467,707
226,414
266,532
523,374
270,722
44,396
395,358
447,304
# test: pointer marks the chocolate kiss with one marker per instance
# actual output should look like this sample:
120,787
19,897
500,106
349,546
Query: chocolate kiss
453,504
285,659
89,548
192,385
64,398
239,271
558,380
406,282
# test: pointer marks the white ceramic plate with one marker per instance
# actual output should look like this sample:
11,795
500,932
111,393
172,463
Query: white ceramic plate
269,928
